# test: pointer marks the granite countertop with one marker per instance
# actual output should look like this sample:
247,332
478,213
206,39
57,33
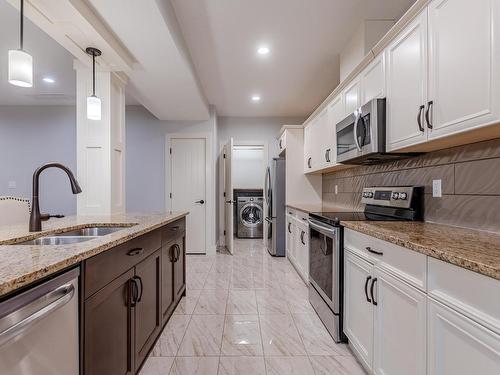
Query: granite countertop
21,265
467,248
306,207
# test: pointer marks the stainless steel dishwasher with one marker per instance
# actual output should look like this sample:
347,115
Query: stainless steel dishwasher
39,329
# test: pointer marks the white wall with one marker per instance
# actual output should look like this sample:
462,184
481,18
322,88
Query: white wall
146,168
31,136
368,33
248,167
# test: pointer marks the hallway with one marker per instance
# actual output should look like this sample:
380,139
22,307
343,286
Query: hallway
246,314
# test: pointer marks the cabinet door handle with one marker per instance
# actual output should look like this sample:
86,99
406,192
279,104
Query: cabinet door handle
134,292
374,251
289,231
419,118
371,291
171,255
302,233
309,162
139,288
280,144
136,251
368,278
178,249
430,105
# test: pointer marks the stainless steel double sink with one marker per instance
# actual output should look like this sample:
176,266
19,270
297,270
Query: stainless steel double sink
73,236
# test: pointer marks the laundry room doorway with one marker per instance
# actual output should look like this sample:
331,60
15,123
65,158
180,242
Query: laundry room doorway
249,161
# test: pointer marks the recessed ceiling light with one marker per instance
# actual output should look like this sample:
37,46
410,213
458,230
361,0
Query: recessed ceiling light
263,50
255,98
48,79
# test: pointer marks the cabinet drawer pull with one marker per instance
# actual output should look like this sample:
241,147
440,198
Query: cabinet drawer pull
419,118
374,251
427,116
371,291
136,251
368,278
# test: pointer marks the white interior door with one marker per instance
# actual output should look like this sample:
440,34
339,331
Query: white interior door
228,189
188,187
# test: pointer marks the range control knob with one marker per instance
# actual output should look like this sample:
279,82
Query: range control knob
395,196
369,194
403,196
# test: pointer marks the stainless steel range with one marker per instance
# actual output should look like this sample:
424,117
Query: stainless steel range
326,246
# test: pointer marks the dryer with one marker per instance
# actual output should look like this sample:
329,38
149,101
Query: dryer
250,214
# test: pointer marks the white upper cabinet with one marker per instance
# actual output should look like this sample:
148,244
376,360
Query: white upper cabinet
335,115
316,142
464,65
373,80
406,59
351,96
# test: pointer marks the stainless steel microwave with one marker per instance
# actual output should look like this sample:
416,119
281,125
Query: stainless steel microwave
361,136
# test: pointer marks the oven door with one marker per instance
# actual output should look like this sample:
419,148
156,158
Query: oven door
324,262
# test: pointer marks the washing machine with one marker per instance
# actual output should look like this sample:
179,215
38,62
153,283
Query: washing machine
250,214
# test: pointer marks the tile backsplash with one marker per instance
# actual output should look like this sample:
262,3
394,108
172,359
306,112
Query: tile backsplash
470,177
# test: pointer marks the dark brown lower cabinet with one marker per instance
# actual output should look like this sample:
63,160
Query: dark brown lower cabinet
148,317
108,332
179,269
123,318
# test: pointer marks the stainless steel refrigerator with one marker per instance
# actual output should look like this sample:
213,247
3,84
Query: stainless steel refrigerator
275,207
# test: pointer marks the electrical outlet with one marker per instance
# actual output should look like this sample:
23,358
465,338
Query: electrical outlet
12,185
437,189
336,189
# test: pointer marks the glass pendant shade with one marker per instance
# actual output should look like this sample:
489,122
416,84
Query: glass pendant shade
20,68
93,108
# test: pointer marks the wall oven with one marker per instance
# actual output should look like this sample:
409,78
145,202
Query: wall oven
325,274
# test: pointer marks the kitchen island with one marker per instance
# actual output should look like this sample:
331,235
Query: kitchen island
132,277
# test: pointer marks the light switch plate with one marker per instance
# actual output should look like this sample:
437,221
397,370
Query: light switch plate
437,189
12,185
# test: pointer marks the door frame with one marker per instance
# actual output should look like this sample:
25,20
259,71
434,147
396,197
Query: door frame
236,142
209,183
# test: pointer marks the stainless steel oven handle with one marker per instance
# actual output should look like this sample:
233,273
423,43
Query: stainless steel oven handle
320,227
356,120
55,299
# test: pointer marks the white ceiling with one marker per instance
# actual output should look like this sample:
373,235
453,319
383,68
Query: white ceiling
163,79
305,37
49,59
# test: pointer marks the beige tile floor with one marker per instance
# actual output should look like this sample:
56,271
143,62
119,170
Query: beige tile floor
246,314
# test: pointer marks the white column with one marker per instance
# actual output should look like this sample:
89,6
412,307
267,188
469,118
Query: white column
100,144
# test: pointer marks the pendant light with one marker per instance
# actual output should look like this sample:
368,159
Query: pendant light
20,62
93,102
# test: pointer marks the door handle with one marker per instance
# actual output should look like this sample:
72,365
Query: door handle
134,292
419,118
371,291
368,278
139,289
201,201
427,116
